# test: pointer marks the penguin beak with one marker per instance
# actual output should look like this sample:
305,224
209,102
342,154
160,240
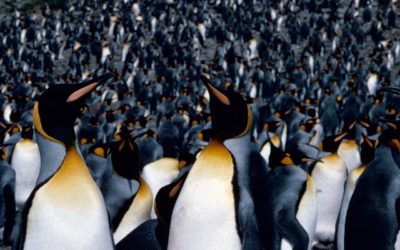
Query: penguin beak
214,92
393,90
365,139
388,123
340,137
87,87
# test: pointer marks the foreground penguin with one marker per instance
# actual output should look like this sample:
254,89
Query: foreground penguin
372,216
205,215
66,210
26,163
367,155
330,176
286,209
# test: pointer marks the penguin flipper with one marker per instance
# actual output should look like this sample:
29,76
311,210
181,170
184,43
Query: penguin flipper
9,212
166,199
291,229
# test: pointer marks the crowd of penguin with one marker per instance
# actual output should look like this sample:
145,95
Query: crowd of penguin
209,124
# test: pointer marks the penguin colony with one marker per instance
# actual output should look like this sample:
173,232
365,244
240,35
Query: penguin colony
200,125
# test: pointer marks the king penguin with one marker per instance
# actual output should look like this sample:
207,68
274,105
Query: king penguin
330,176
205,215
367,155
136,207
66,204
287,208
26,163
372,216
159,174
349,150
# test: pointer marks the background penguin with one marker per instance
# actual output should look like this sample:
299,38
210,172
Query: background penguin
149,149
98,163
196,223
286,210
348,149
76,203
375,198
273,131
26,163
158,174
367,155
129,206
329,176
7,204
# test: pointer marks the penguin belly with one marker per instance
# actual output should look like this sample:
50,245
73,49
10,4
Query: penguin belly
349,152
138,212
68,212
159,174
306,213
204,215
348,192
329,177
26,163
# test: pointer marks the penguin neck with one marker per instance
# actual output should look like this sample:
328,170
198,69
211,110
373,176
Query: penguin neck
239,146
52,155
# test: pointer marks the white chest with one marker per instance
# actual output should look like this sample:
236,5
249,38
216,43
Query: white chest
204,214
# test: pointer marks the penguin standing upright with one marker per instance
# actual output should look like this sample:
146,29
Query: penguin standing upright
128,209
26,163
330,176
66,204
367,155
375,201
348,149
286,209
205,215
372,215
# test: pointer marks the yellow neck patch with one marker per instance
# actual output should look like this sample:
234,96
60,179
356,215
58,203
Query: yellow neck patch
249,121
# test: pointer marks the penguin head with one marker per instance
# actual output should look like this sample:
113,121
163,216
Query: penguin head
59,106
229,112
27,132
367,149
278,157
391,135
125,155
331,143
